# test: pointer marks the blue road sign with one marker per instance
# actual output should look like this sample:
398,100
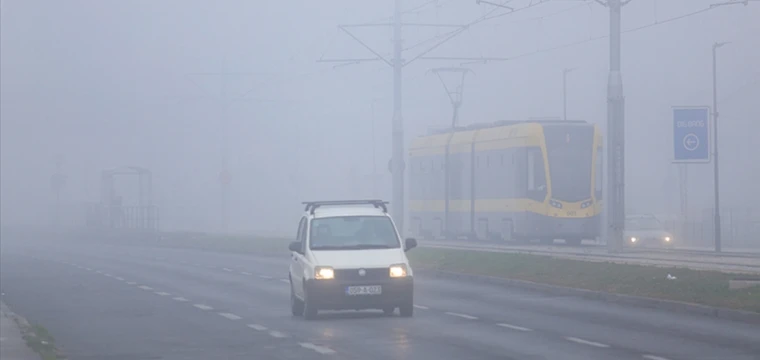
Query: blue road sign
691,134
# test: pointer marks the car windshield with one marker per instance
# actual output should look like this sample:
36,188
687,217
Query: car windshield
353,232
643,224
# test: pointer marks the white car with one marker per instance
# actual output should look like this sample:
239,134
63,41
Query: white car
349,255
646,230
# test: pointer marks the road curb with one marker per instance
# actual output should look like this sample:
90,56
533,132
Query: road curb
669,305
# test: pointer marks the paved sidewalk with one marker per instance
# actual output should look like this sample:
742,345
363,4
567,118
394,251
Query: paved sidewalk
12,345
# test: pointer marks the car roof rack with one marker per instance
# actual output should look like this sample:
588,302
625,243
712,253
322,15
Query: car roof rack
313,205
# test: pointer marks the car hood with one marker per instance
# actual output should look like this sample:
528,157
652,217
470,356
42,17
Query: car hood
352,259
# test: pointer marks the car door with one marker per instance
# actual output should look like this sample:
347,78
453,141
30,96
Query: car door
296,259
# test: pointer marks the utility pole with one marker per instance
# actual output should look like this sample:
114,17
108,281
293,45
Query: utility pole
564,91
716,171
224,100
398,63
374,152
57,182
615,209
397,129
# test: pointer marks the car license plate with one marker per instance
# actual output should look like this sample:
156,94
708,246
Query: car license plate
364,290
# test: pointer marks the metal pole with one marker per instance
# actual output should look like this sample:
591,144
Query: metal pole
225,107
398,124
374,154
565,71
615,134
564,94
715,147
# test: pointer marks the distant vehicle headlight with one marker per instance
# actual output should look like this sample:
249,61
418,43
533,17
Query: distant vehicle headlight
633,239
667,239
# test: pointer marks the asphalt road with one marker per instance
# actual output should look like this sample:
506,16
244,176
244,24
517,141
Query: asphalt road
109,302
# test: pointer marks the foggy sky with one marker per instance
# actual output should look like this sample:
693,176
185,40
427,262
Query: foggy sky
102,84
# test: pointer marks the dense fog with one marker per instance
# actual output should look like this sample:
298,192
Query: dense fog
187,88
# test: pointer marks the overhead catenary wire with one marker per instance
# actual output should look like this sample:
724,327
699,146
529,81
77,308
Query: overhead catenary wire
588,40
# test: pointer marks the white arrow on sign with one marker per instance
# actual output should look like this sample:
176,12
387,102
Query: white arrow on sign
690,142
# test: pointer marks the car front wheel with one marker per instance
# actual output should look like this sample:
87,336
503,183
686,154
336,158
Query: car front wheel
296,305
406,309
309,307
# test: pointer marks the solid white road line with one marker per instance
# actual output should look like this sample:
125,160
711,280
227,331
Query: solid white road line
180,299
317,348
145,287
203,307
161,293
257,327
586,342
464,316
514,327
230,316
421,307
277,334
653,357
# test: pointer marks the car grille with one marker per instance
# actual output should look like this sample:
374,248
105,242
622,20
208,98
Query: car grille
371,275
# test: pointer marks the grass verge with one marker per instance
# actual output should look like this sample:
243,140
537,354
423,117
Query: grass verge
40,341
699,287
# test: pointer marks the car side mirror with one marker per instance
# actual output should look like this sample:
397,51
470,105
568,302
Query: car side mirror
295,246
410,244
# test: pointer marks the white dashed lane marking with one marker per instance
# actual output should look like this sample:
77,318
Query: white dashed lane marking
146,288
317,348
227,269
421,307
180,299
464,316
265,277
98,272
131,283
245,273
277,334
230,316
514,327
285,281
88,269
119,278
203,307
586,342
653,357
161,293
257,327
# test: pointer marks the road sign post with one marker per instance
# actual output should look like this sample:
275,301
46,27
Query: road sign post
691,134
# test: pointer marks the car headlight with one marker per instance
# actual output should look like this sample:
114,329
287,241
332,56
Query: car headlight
667,239
324,273
397,271
633,239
